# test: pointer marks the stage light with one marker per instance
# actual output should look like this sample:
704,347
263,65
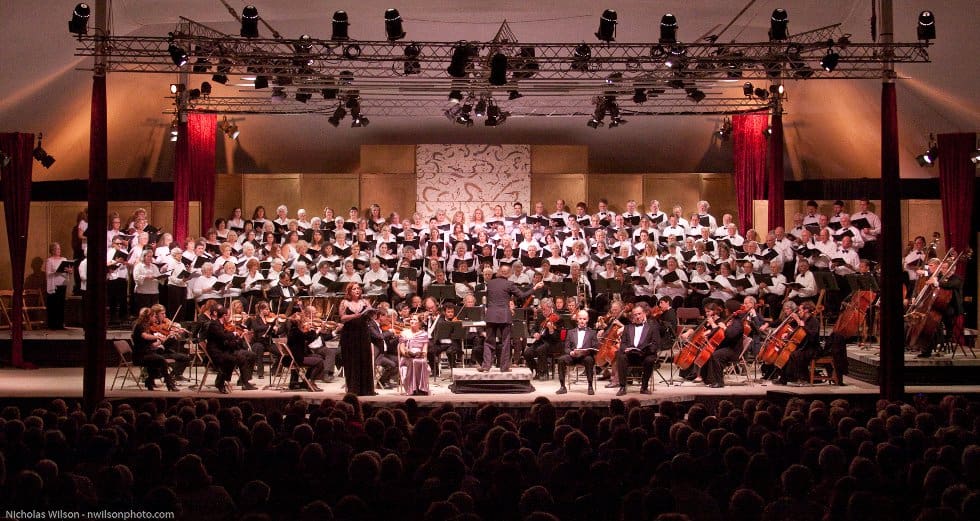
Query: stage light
614,78
177,54
513,95
261,82
777,89
778,25
495,116
525,66
747,89
338,114
668,29
412,64
459,61
176,88
581,57
829,61
931,154
278,94
352,51
607,26
40,155
79,19
340,24
926,30
174,131
230,129
696,95
481,108
767,132
201,64
599,114
975,158
303,96
303,48
359,121
205,88
455,96
639,96
222,70
393,25
463,116
328,93
346,77
193,94
726,129
761,93
498,69
250,22
4,159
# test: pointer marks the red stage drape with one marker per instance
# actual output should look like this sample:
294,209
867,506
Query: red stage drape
957,175
17,207
194,171
777,209
750,163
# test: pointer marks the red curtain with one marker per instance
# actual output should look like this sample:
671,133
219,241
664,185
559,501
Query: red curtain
17,207
750,163
777,209
194,171
957,175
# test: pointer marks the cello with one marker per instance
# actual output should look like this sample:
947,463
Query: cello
853,315
610,340
698,350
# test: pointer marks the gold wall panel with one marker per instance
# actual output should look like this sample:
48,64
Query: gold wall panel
62,216
719,191
317,191
559,159
615,188
549,187
672,189
923,217
396,159
228,195
394,192
270,190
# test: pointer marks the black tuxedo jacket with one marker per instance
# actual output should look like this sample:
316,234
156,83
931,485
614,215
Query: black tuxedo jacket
649,342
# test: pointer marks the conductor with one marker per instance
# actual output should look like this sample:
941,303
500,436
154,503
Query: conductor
499,291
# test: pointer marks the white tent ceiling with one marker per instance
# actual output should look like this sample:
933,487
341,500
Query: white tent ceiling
832,127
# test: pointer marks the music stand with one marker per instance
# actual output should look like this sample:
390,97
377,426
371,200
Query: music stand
564,289
441,292
608,285
861,282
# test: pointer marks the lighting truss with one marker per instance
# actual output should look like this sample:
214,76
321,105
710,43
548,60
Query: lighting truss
378,68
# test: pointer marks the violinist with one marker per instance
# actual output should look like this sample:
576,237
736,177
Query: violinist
264,326
638,346
303,331
796,369
225,347
581,345
169,332
547,336
730,346
385,344
147,352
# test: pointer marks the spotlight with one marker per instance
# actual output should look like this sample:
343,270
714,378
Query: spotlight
495,116
726,129
607,26
201,64
595,123
481,108
346,77
206,88
455,96
774,69
328,93
668,29
777,90
513,95
393,25
599,114
931,154
675,59
761,93
303,48
261,82
352,51
696,95
926,30
177,54
353,104
830,61
767,132
340,24
463,116
41,156
230,129
338,114
250,22
581,57
220,78
639,96
778,24
459,61
176,88
194,94
614,78
498,69
174,132
221,74
4,159
359,121
412,64
747,89
79,19
975,158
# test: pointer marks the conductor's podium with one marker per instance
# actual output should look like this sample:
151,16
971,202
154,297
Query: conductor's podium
471,381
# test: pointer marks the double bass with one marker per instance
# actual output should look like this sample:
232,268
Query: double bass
926,311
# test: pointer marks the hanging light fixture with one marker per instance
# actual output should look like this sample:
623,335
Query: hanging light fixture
339,25
41,155
668,29
79,19
926,29
250,22
778,25
393,25
607,26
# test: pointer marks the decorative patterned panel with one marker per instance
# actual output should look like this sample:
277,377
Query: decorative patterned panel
466,177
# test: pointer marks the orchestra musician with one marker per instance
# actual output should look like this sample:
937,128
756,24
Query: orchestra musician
499,316
381,340
954,284
264,326
302,332
547,339
440,328
581,345
796,368
147,352
170,334
224,346
638,345
730,346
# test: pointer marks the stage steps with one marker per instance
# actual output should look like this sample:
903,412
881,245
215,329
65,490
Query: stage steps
471,381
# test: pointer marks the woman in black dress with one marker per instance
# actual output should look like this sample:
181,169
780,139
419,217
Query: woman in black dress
355,342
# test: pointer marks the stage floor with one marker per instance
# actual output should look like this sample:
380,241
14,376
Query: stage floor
49,383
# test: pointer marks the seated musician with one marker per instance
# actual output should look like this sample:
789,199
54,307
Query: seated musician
412,351
170,334
757,324
797,368
147,352
954,284
730,346
384,343
581,345
303,330
638,345
264,326
439,330
225,347
667,319
546,337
